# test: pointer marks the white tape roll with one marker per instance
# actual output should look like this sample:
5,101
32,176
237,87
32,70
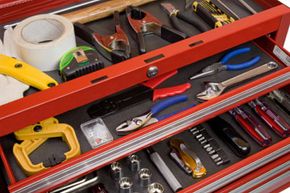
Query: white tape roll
41,40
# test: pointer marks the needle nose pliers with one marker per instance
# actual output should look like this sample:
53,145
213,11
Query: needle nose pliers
224,65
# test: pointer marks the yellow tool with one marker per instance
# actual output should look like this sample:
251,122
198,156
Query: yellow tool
35,135
25,73
189,158
210,12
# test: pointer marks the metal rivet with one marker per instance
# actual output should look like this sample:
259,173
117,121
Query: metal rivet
152,71
37,128
18,65
51,84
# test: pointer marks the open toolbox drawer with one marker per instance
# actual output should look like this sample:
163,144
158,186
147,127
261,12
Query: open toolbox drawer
69,101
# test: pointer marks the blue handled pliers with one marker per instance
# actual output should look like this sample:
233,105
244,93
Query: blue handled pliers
151,117
223,64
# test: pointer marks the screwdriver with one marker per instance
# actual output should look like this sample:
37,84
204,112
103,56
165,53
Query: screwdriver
277,123
251,126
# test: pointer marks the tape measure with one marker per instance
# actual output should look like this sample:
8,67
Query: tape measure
79,61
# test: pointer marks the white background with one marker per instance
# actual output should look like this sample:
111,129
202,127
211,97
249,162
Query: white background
287,46
287,43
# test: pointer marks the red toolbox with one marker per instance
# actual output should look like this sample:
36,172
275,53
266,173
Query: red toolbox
264,169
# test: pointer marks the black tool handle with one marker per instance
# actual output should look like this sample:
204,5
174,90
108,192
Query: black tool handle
177,25
141,43
230,136
85,33
172,35
194,20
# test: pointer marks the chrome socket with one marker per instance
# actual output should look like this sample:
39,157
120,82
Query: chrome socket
155,188
134,163
125,185
144,177
116,171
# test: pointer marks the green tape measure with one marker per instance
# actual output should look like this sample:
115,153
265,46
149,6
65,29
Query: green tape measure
79,61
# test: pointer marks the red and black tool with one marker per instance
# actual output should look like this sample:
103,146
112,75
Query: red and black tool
277,123
143,23
132,96
251,126
230,136
115,47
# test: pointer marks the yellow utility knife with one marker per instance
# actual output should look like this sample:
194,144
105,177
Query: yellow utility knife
25,73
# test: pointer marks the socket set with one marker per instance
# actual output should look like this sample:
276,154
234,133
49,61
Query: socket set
209,145
139,178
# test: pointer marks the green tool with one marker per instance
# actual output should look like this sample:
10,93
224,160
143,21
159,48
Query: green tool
79,61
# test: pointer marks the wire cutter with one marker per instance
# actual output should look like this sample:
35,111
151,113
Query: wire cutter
136,94
224,65
143,23
114,47
151,117
176,14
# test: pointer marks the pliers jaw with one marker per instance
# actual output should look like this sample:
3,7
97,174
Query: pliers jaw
134,124
144,23
209,70
115,47
141,21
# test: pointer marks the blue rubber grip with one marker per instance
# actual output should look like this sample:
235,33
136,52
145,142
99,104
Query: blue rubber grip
234,53
244,65
160,106
162,117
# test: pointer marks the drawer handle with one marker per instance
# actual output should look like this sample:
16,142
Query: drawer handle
99,79
196,43
152,59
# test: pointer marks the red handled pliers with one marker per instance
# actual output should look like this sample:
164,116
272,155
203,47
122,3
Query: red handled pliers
135,95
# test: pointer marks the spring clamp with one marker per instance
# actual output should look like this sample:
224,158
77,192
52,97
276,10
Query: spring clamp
35,135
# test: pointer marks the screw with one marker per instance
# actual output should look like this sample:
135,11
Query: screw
18,65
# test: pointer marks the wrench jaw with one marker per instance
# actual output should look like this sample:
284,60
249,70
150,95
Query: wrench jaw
212,90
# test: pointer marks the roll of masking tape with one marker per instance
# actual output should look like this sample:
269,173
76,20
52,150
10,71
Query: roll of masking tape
41,40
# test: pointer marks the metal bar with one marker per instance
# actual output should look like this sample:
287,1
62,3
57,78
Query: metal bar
244,170
262,178
229,9
272,185
245,4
